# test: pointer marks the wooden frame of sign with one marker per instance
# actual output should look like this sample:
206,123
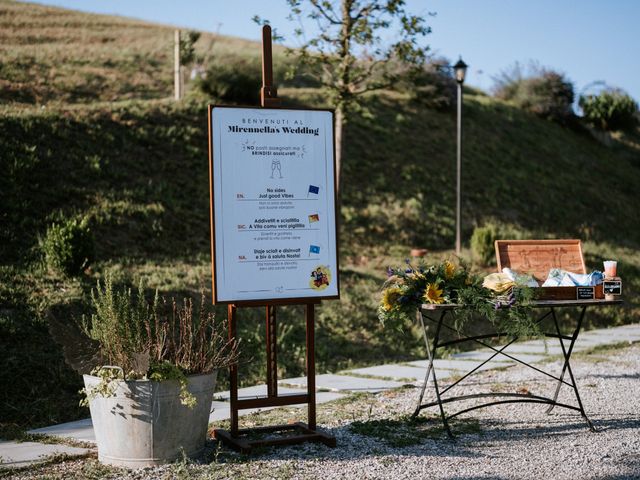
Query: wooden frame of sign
273,276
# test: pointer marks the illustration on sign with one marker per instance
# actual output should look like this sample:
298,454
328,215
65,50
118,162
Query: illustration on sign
273,204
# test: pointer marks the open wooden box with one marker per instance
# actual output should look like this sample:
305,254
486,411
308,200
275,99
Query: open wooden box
537,257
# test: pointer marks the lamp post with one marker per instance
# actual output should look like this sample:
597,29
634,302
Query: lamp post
460,71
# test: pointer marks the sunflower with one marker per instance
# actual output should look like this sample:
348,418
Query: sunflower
390,298
449,269
433,294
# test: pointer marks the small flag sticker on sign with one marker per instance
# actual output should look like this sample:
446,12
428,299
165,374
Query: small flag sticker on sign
314,249
314,218
313,189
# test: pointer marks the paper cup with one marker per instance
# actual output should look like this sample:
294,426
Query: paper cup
610,267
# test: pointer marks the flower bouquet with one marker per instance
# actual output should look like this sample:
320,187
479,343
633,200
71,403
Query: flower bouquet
407,289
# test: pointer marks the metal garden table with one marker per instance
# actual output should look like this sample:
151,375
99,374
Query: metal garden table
436,315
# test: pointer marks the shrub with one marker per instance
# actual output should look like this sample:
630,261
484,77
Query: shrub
432,87
236,81
159,341
484,237
612,109
482,243
69,247
544,92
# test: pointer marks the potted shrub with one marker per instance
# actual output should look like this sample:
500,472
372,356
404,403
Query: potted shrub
150,396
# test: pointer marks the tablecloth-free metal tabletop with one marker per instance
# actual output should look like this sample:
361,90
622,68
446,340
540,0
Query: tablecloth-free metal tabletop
431,315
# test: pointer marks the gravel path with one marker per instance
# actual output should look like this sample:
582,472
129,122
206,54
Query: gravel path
508,441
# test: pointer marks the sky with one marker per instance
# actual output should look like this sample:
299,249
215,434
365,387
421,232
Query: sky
587,40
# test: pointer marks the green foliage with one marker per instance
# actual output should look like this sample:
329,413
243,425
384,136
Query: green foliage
612,109
69,246
483,240
109,378
345,29
187,46
402,432
167,333
544,92
118,325
408,288
168,371
235,81
430,86
482,243
159,340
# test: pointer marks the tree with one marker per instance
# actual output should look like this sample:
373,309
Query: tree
612,109
348,54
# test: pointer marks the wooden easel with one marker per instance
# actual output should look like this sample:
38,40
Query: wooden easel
238,438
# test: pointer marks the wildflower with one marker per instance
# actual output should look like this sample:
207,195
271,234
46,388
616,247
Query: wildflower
433,294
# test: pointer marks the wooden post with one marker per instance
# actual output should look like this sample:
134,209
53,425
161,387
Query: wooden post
233,372
272,364
177,77
268,92
311,365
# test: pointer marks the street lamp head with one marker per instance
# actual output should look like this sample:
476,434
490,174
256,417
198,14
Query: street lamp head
460,70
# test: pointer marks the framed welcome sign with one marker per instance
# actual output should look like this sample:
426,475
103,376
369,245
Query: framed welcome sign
273,204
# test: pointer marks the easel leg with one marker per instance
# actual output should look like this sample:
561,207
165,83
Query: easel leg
233,374
272,363
311,365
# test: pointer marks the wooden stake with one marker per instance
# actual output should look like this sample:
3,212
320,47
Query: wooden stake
177,77
268,92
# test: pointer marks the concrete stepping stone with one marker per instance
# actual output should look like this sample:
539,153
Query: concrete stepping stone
395,371
461,365
81,430
222,410
536,348
485,354
257,391
341,383
627,329
23,454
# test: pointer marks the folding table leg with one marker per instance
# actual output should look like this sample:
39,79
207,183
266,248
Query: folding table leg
574,337
430,366
430,369
567,365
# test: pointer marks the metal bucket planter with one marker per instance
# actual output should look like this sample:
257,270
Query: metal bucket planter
145,424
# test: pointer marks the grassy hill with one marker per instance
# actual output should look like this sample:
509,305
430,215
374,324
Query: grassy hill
88,129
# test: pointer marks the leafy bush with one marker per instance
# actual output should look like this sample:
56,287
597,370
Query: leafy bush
484,237
432,87
159,340
612,109
482,243
236,81
187,46
142,337
69,247
544,92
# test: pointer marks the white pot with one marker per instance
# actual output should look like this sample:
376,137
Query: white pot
145,424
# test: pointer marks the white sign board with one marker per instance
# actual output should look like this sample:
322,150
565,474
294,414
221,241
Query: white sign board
273,204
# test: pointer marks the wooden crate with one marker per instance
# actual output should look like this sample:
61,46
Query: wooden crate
537,257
